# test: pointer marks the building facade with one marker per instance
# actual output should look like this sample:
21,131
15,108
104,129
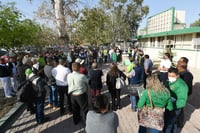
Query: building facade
167,29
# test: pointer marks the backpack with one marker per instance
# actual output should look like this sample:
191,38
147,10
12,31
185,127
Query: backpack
26,91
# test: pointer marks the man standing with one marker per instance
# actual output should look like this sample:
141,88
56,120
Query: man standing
78,85
163,68
179,96
188,78
148,65
60,73
51,82
5,73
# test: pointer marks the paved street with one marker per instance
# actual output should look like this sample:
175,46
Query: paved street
25,122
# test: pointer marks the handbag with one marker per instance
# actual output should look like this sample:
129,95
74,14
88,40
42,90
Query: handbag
151,117
120,83
135,89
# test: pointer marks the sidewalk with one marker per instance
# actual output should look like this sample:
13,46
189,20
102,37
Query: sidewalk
24,122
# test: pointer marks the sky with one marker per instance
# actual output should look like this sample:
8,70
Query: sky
191,7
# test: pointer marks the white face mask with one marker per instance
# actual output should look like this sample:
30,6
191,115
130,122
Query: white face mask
171,79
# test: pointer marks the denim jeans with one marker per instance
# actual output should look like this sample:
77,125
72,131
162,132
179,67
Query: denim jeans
14,83
151,130
39,108
6,82
144,130
53,95
133,102
171,121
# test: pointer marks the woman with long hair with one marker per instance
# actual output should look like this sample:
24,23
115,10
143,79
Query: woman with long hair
111,77
160,97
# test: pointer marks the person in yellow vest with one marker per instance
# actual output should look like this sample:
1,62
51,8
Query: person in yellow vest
105,54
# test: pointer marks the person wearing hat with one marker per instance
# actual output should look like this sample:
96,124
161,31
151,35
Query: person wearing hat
39,85
82,69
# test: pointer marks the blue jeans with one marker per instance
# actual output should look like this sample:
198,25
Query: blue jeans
133,103
153,130
144,130
39,108
6,82
53,95
171,121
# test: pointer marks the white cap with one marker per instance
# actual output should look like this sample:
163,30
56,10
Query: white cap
80,61
36,66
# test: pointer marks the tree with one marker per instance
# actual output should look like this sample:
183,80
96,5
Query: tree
9,22
91,27
59,12
15,32
126,16
195,24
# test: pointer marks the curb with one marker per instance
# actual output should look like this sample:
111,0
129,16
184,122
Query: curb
10,115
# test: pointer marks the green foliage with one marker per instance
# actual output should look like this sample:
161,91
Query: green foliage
113,20
15,32
91,27
125,16
195,24
9,20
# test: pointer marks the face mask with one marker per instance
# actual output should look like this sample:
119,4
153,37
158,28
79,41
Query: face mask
171,79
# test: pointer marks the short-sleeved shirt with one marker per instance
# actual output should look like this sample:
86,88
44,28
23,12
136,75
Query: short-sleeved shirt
148,64
166,64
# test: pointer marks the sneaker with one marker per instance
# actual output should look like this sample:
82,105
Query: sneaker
8,96
55,108
49,105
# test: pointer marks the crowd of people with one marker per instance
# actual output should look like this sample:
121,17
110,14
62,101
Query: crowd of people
77,74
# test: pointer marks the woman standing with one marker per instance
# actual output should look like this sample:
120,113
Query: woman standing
95,80
111,77
160,97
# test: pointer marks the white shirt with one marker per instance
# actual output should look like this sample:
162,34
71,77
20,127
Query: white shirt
60,73
165,63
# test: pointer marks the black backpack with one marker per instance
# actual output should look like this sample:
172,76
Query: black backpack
26,92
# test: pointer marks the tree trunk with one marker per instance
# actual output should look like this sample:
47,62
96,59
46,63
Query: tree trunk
60,20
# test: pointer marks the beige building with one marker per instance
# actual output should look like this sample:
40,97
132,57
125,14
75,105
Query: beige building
167,29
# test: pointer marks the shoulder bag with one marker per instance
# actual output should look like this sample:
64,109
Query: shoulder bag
120,83
151,117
